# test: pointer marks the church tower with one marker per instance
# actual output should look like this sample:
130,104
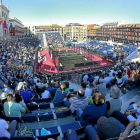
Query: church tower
4,15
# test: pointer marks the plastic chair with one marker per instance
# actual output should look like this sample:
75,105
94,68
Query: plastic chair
30,119
58,104
45,117
37,100
44,106
14,118
32,107
46,100
75,126
54,133
63,114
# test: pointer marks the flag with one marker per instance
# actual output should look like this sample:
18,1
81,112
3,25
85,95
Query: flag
1,22
4,24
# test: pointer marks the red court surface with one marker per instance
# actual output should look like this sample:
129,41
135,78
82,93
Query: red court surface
49,67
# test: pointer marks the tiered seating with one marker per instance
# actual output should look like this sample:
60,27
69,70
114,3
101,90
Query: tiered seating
55,38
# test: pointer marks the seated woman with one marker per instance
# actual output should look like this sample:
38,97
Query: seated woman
92,113
67,86
115,103
19,100
132,81
60,94
119,78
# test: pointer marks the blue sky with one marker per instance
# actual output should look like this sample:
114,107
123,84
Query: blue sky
45,12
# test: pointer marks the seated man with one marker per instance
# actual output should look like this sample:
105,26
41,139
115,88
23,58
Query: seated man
5,89
102,87
26,95
7,129
81,101
46,93
87,91
115,103
107,79
90,80
85,78
11,108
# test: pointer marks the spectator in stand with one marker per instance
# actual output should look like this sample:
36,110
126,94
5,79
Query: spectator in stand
90,80
81,101
85,78
92,113
52,92
26,95
67,86
5,89
106,129
119,78
13,109
101,87
60,94
131,132
132,81
107,79
45,84
96,78
39,84
115,103
85,89
7,129
111,73
19,100
50,88
46,93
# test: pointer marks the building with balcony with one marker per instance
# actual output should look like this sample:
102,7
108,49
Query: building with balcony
4,14
128,33
16,28
92,31
76,31
54,28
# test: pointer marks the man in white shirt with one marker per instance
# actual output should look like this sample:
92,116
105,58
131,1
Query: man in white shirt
87,91
107,79
39,84
46,93
85,78
96,78
35,79
7,129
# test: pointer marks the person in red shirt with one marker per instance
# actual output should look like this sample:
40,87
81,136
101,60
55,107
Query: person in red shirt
129,73
7,70
132,67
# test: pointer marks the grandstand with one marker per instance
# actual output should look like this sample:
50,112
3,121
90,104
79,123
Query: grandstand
49,119
55,39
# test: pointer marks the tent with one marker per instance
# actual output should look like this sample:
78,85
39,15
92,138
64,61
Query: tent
69,43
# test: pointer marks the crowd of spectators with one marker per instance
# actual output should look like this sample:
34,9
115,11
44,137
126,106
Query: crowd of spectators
102,119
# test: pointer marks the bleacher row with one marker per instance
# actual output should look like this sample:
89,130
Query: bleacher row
43,112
